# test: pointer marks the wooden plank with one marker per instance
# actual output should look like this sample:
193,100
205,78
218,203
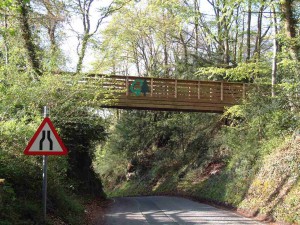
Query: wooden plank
163,87
164,106
111,86
182,101
171,100
182,105
163,103
170,108
195,85
178,103
165,109
151,87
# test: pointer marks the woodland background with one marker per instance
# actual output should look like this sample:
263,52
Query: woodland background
247,157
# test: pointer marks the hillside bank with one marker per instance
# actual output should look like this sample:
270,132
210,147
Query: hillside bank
248,161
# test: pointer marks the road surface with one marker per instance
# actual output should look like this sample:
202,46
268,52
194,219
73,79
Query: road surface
160,210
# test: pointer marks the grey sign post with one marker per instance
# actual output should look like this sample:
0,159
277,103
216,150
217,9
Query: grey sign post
45,159
53,146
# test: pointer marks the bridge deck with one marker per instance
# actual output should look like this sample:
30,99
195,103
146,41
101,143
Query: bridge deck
172,94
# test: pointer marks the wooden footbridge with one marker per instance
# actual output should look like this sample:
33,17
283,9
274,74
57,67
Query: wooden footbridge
131,92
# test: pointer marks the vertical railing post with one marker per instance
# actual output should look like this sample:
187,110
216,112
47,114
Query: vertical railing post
176,88
151,87
199,89
127,86
222,91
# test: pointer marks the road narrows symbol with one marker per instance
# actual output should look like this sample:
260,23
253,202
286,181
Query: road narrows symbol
42,140
48,138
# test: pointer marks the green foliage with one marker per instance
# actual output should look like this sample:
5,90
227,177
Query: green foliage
160,144
148,131
79,126
258,71
136,34
10,4
275,188
7,204
64,204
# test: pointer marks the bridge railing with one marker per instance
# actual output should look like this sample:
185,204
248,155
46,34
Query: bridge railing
165,88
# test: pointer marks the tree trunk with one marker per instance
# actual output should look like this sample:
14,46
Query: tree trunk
275,49
51,33
196,18
226,57
27,38
226,51
166,59
290,26
82,52
136,57
114,66
146,61
184,50
249,32
257,49
166,55
241,46
221,48
236,36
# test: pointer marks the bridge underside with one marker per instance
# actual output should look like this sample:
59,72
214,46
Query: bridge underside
165,104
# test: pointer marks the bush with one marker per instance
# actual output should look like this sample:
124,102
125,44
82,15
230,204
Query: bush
21,103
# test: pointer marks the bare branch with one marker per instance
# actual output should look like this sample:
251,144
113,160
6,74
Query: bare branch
266,32
109,11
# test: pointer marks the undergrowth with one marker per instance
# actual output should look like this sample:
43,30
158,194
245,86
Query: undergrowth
246,158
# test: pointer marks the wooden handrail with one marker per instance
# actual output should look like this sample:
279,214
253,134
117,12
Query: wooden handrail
156,78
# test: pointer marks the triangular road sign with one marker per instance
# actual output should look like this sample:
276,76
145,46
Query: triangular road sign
46,141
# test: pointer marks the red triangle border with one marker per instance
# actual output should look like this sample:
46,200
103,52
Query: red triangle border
32,140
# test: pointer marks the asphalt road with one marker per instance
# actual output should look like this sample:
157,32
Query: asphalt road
160,210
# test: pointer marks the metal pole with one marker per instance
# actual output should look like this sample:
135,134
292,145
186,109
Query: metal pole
45,159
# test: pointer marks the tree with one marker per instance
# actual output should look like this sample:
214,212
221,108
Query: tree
287,8
29,45
275,49
249,30
56,14
84,8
